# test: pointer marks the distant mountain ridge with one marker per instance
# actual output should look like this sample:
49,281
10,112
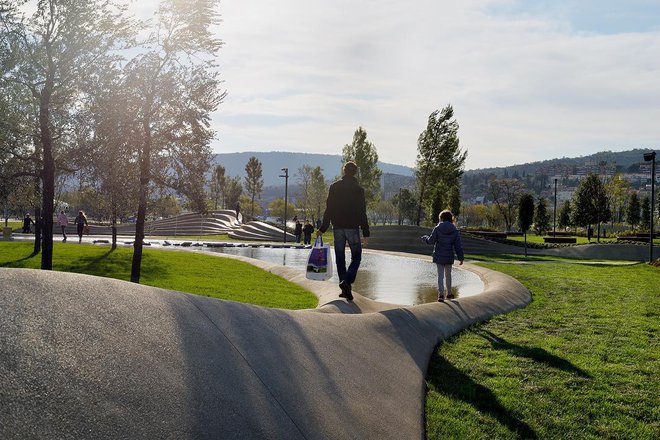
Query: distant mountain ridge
623,159
273,162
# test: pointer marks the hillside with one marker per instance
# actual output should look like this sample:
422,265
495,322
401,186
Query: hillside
623,160
273,162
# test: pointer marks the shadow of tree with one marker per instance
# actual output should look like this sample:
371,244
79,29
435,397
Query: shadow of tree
450,381
534,353
12,263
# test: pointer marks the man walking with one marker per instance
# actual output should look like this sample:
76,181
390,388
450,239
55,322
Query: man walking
346,209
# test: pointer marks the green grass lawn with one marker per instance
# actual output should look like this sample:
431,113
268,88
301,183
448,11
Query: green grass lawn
581,361
533,238
191,272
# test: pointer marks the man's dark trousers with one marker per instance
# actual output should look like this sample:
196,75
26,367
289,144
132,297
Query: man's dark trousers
352,236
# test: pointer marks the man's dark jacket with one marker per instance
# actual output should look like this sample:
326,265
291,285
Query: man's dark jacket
346,207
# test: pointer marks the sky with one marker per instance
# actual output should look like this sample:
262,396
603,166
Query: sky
528,80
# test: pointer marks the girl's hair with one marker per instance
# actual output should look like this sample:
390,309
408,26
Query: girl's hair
446,216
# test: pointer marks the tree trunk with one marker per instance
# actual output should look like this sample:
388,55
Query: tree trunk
48,178
114,235
145,169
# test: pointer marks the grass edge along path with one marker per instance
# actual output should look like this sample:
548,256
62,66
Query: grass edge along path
190,272
581,361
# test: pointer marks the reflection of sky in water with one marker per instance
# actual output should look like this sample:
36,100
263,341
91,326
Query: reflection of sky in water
386,278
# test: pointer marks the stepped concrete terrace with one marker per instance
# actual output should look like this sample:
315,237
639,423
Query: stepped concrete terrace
95,358
215,222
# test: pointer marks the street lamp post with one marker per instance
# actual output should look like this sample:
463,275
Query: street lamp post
286,196
650,157
554,221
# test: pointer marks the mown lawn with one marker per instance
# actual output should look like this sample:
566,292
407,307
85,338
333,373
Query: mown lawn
533,238
177,270
581,361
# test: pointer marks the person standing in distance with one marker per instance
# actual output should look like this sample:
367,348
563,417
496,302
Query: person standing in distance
63,221
346,209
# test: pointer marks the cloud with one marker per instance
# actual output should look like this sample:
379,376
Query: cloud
528,80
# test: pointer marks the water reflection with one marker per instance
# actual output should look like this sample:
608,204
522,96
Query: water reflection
386,278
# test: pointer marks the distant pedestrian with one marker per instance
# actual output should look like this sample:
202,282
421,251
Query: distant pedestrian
27,221
307,232
346,208
81,222
298,230
447,240
238,211
63,221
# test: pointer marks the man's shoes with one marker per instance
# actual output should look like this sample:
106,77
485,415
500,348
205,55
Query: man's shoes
345,290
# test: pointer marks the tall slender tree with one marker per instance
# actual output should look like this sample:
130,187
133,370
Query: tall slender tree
565,215
364,154
440,163
541,216
218,186
590,203
633,216
254,181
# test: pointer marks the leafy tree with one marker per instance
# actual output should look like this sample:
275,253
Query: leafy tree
303,197
406,205
541,217
474,216
590,204
56,48
525,214
646,212
247,200
385,212
108,133
565,215
318,193
618,190
254,182
164,206
505,193
364,154
276,207
174,87
440,164
633,216
234,191
218,186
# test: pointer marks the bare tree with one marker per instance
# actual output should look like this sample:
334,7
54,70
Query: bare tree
505,194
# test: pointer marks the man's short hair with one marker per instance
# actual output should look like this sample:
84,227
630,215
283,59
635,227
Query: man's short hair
446,216
350,168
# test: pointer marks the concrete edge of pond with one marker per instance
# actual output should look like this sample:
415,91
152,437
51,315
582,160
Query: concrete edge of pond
95,357
501,294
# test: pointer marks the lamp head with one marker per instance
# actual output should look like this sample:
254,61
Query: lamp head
648,157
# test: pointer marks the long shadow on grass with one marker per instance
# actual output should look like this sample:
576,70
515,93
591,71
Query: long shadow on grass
11,263
450,381
103,265
534,353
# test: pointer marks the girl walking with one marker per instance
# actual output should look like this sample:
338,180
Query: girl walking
447,241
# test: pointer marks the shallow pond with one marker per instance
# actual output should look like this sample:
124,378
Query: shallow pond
387,278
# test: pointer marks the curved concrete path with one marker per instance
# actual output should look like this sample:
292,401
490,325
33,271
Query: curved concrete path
89,357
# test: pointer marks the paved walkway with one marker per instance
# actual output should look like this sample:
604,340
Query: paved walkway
89,357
